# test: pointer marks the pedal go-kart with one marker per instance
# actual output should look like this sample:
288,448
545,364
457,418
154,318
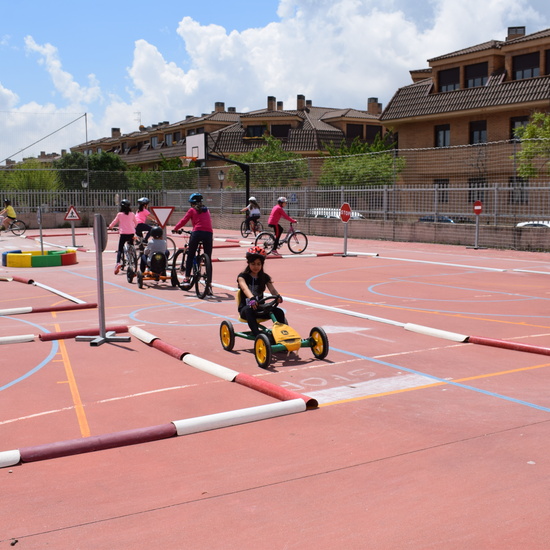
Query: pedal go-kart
279,338
156,271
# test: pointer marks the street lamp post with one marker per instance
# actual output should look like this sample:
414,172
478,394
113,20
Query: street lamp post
85,183
221,177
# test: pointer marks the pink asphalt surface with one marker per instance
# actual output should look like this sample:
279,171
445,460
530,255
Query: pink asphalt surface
419,442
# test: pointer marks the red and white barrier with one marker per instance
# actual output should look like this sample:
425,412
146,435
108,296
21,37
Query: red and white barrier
48,336
505,344
240,416
21,310
18,339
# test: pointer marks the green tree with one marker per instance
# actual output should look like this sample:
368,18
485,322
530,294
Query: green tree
106,171
361,164
270,166
30,174
534,156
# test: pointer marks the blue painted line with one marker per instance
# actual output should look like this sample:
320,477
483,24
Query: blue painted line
444,381
53,351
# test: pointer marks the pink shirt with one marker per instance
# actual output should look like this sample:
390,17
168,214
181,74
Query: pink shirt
126,223
277,213
201,221
141,217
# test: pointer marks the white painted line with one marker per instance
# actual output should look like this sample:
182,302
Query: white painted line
240,416
372,387
443,263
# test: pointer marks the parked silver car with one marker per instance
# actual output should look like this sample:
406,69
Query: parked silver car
331,213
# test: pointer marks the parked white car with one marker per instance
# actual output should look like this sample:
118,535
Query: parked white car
533,224
331,213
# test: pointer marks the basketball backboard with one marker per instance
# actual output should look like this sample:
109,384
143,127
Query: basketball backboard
195,147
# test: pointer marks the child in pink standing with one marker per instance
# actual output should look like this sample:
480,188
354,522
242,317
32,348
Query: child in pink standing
126,221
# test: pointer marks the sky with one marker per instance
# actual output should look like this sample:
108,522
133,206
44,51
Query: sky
71,71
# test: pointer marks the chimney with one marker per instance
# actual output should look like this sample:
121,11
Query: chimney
373,107
280,106
515,32
219,107
309,103
300,102
271,102
63,152
231,110
115,132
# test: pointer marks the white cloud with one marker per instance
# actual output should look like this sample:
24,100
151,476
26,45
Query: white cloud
337,53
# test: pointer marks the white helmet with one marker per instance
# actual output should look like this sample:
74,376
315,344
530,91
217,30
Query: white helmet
282,199
252,199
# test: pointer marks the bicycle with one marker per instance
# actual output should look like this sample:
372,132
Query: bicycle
295,240
201,274
253,226
17,227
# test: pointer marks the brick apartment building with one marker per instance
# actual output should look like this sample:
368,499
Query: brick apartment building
465,100
303,130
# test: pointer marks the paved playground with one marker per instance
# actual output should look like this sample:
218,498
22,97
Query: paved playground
426,426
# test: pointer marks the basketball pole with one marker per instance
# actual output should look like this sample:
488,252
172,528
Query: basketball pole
244,167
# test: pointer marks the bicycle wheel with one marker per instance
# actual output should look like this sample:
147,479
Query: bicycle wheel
17,227
266,240
244,229
177,271
258,228
130,256
203,275
297,242
171,247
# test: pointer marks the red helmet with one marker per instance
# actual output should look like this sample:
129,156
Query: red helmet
255,253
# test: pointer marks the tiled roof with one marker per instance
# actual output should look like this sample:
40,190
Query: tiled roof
415,100
491,44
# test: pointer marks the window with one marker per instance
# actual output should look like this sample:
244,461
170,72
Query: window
169,139
476,75
354,130
517,122
443,135
478,132
449,80
372,132
280,130
177,136
154,141
525,66
519,193
547,61
255,131
476,190
442,189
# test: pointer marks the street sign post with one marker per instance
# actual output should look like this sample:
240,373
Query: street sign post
478,209
345,215
72,216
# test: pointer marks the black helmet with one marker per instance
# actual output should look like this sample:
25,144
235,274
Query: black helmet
143,200
195,198
156,232
7,201
125,205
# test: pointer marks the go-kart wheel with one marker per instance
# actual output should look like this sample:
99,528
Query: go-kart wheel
130,274
262,350
140,279
227,335
319,342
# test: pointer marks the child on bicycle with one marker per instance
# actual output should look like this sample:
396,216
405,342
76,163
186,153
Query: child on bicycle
7,214
142,217
126,221
277,213
253,212
252,283
157,244
199,215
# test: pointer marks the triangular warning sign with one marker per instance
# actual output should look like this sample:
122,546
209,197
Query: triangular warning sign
72,214
162,213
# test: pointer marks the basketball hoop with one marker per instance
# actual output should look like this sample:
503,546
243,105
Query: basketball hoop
187,160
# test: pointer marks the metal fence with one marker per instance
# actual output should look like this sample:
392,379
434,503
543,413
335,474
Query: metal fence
392,188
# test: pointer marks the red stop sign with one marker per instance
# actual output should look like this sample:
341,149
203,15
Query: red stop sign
478,208
345,212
